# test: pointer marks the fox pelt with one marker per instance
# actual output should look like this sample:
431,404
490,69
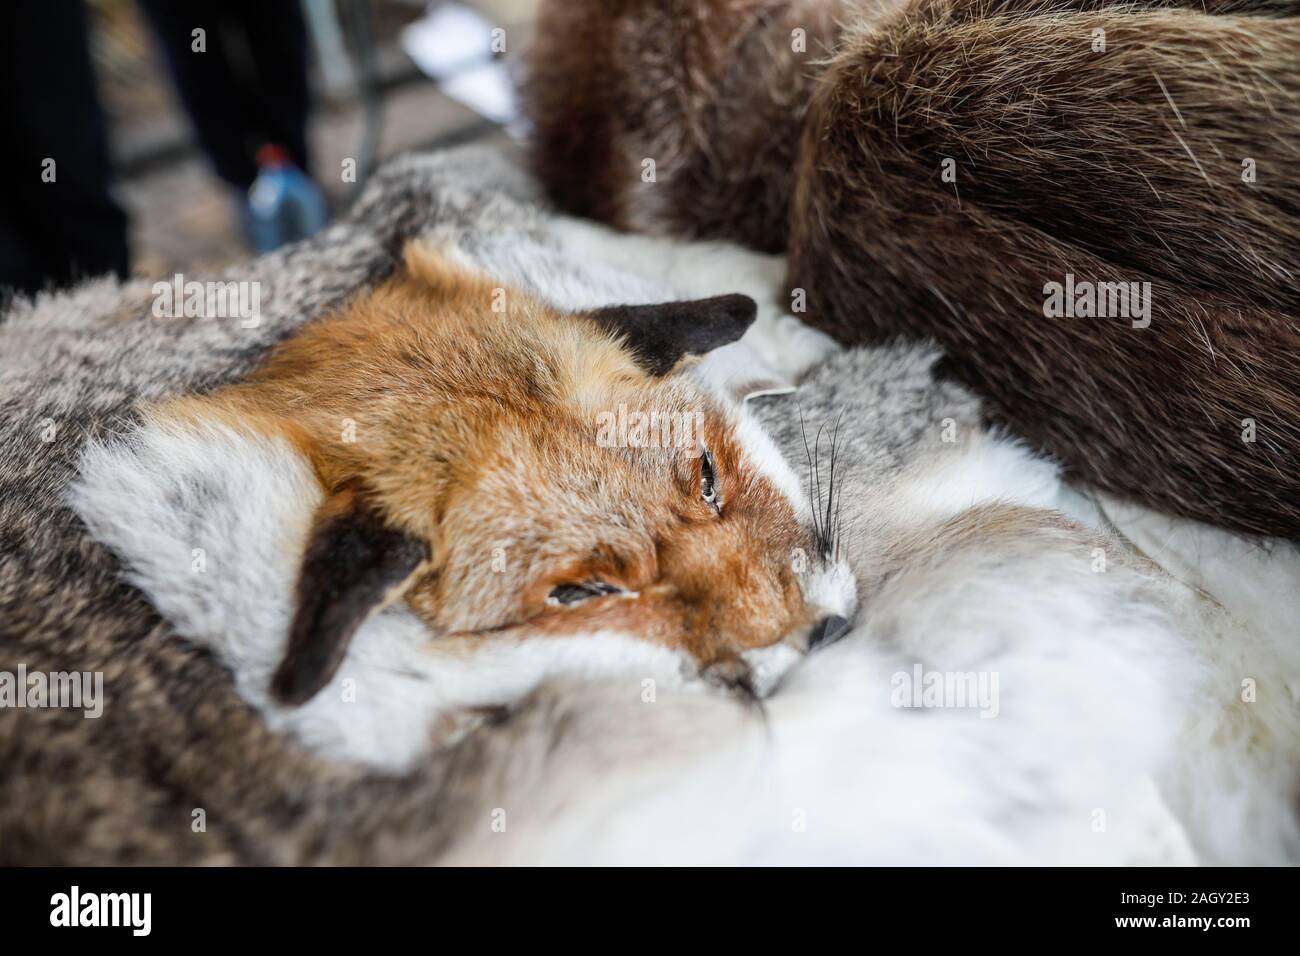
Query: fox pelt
1114,694
934,167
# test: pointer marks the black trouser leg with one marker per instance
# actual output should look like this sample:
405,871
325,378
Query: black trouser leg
238,102
58,219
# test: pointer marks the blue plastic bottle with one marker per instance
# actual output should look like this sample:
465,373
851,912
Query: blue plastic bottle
284,204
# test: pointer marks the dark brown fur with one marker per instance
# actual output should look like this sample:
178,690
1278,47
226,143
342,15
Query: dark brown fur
1067,161
712,91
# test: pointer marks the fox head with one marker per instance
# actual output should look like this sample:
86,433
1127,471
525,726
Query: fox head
511,470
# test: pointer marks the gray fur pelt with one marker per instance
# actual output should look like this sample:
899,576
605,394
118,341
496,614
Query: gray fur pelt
962,562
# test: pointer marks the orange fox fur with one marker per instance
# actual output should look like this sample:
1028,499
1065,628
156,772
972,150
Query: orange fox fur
474,432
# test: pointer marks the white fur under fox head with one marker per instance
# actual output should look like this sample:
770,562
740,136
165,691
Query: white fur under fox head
505,468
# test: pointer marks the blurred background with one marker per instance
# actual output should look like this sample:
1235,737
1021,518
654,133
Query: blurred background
201,131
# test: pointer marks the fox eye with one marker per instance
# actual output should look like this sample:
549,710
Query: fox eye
708,482
571,594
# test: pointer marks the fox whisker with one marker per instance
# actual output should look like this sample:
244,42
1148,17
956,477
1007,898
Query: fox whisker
827,517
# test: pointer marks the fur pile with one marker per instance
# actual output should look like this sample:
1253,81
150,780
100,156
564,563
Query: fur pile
933,165
1118,734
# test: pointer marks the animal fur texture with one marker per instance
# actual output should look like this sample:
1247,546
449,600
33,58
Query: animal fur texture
479,466
933,166
1120,733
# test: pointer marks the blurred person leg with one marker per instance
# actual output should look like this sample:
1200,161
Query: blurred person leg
58,219
243,81
280,56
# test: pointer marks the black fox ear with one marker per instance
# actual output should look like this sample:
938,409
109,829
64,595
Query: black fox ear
353,566
662,335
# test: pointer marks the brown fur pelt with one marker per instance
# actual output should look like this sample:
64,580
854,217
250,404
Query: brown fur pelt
711,91
1122,165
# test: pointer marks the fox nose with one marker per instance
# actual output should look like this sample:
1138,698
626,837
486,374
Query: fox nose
827,630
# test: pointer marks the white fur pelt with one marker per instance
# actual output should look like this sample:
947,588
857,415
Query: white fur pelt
1118,732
